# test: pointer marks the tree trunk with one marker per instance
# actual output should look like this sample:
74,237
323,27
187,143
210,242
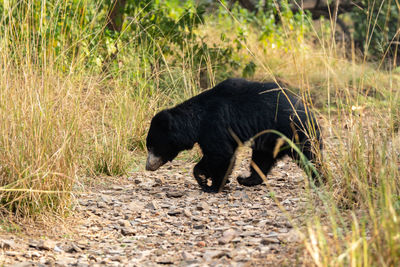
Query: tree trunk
317,8
116,15
248,5
115,20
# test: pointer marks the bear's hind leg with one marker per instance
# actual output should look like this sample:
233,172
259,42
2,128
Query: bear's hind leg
264,161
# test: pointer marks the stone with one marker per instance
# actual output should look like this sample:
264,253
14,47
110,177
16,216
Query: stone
201,244
124,223
187,256
203,206
46,245
174,223
72,248
127,231
12,253
101,205
152,206
7,244
58,249
174,212
228,236
23,264
209,255
175,194
64,261
187,213
270,240
293,236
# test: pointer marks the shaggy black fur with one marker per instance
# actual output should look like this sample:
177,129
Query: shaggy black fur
239,106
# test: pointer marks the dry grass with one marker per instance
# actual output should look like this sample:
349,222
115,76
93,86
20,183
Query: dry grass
358,105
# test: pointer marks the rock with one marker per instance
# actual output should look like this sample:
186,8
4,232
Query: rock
152,206
293,236
165,262
198,226
270,240
203,206
46,245
58,249
64,261
187,256
101,205
116,258
135,206
124,223
92,258
72,248
32,254
126,231
201,244
7,244
117,188
249,233
175,194
12,253
228,236
187,213
174,223
209,255
23,264
174,212
272,234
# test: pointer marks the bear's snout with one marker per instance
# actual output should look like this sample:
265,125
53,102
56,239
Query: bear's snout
153,162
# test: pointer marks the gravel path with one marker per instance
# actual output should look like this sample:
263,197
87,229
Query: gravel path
162,218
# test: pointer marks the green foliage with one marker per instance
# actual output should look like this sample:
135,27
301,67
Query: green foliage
275,23
376,27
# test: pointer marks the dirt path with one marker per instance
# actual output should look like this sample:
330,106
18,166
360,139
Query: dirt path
162,218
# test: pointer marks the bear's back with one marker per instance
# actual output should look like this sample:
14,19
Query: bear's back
235,87
241,97
247,94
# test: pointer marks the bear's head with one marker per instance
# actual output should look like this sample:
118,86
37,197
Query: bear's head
160,144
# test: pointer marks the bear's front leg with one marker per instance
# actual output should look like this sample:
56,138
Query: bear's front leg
201,176
215,169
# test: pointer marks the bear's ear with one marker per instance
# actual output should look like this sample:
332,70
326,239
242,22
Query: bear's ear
164,120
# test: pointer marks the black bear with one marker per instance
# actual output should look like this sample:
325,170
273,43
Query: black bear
215,119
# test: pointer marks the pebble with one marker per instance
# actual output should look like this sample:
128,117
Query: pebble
152,206
269,240
175,194
214,254
228,236
7,244
187,256
126,231
163,218
23,264
201,244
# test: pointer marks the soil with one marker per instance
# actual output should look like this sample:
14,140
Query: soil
163,218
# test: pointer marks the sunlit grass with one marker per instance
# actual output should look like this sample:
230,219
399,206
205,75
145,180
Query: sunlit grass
358,107
62,116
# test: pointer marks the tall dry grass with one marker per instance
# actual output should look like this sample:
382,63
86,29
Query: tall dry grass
355,215
64,119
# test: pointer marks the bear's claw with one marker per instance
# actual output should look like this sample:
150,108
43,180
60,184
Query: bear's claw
250,181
